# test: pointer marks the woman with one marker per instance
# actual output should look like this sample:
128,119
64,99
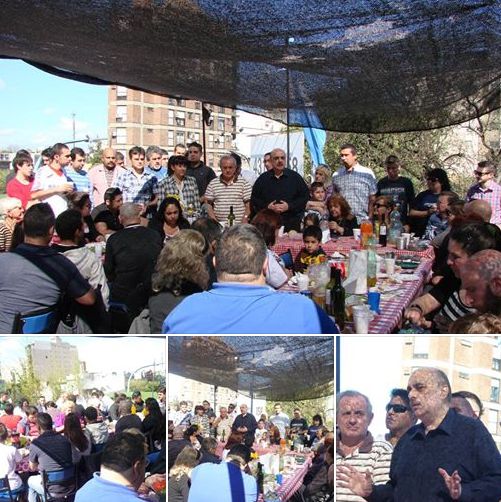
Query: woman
181,270
312,429
154,420
81,202
464,241
66,408
268,223
425,203
169,219
235,438
80,439
323,175
11,213
383,206
9,457
180,474
341,220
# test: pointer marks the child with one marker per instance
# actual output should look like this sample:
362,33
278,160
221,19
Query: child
312,253
316,204
311,220
439,220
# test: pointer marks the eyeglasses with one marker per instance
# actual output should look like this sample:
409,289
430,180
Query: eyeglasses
397,408
480,173
380,205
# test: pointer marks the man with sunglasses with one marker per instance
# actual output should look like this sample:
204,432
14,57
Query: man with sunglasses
399,416
51,184
487,189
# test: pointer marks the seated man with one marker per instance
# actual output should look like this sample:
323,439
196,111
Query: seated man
240,302
106,215
48,452
127,419
9,419
122,471
34,275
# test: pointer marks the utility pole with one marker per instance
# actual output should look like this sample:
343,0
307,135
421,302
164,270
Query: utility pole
73,115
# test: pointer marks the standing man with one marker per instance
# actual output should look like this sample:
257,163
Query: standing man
267,161
182,417
245,423
20,186
399,416
487,189
228,190
355,183
445,457
398,188
154,157
282,190
180,149
298,424
51,184
75,171
223,424
356,449
196,168
281,420
137,185
104,175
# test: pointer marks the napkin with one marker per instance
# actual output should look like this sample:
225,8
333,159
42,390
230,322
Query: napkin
356,282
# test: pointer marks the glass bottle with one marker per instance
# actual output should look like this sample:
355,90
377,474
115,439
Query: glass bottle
337,304
365,232
231,217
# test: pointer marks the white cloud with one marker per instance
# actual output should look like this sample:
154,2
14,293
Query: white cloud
3,85
49,110
66,124
7,132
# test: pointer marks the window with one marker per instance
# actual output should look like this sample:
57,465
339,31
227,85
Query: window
121,135
220,124
221,109
170,138
181,102
421,347
465,376
211,140
196,118
170,119
121,92
172,102
492,421
180,137
198,105
494,390
180,121
197,137
496,364
121,113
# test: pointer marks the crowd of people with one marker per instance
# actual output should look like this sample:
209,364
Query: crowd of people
202,444
448,455
167,262
113,437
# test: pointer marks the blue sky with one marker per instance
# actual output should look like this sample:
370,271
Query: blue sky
36,108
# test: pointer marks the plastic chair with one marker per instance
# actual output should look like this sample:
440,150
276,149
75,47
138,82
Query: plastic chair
38,321
6,493
66,482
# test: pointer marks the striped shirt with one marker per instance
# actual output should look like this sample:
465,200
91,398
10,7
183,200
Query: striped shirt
492,194
137,188
372,456
452,310
187,192
223,195
5,238
80,179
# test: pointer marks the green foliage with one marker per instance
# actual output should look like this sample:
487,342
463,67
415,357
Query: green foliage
95,153
24,383
146,386
310,407
3,175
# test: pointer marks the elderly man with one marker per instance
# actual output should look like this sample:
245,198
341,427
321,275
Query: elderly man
445,457
155,167
487,189
104,175
240,302
245,423
481,279
399,416
356,449
223,424
282,190
228,191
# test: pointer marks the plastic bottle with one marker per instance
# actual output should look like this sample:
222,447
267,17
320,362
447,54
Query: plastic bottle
396,226
371,262
365,232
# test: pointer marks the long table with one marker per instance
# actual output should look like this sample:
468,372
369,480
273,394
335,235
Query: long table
392,309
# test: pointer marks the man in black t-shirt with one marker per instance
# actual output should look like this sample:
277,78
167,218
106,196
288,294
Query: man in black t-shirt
105,215
398,188
298,423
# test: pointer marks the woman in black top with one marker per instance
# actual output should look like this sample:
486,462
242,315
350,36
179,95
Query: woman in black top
341,220
169,219
81,202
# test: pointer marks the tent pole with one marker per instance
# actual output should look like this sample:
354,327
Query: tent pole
203,133
338,364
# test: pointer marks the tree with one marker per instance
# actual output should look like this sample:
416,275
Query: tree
308,408
24,382
95,153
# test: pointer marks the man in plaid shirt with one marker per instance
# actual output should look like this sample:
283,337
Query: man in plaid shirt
487,189
136,184
182,186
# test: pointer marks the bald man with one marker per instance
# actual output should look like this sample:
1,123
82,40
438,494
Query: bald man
479,207
282,190
446,457
481,279
104,175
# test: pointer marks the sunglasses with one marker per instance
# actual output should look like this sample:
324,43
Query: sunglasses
397,408
480,173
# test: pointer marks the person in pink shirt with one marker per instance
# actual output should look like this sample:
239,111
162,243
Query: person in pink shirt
20,186
104,176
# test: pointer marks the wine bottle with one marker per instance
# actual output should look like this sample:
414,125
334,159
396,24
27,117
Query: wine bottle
231,217
383,239
338,299
260,477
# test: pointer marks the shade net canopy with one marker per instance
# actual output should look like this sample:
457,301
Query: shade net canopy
271,367
343,65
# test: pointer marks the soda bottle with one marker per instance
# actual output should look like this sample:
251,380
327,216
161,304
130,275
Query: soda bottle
365,232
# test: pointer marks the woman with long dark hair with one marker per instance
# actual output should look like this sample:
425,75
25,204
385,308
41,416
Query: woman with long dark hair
79,439
81,202
154,421
169,219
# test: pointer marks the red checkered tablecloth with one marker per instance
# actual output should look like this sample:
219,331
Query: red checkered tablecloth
343,245
291,483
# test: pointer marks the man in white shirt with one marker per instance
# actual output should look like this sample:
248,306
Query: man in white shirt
280,420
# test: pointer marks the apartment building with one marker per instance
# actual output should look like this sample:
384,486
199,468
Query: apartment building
143,119
471,363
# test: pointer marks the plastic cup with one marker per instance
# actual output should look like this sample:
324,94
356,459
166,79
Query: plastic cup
361,320
374,298
279,478
303,281
390,266
357,233
407,238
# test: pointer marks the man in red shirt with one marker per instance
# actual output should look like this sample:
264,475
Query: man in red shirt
9,419
20,185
